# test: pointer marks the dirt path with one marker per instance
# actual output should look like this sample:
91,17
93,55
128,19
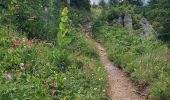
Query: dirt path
120,86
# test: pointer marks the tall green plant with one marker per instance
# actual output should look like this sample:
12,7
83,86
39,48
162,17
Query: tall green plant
62,37
61,56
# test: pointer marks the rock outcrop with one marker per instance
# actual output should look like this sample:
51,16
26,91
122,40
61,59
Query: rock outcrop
125,20
128,20
146,28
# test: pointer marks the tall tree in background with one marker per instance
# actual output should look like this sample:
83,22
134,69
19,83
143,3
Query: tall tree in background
7,10
158,12
29,17
80,4
102,3
136,2
37,18
113,2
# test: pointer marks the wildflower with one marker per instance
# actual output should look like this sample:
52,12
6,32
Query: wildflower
9,75
22,66
23,39
54,85
53,92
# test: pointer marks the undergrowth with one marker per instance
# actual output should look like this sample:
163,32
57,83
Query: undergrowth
49,70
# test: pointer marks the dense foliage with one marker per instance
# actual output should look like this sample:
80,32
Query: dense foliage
39,19
135,2
44,55
157,11
81,4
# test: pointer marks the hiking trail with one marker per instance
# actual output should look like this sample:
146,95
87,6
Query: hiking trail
120,85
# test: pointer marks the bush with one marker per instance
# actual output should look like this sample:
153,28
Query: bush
136,21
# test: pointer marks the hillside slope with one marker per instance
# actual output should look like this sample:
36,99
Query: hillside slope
67,68
145,60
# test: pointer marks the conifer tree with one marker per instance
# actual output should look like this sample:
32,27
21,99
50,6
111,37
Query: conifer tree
113,2
102,3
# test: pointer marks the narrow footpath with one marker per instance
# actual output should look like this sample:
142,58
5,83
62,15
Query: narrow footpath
120,85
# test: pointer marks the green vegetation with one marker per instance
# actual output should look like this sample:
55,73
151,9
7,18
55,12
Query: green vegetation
158,12
64,68
39,70
40,19
45,55
145,60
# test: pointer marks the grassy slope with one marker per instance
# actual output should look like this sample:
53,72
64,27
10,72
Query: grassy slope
147,61
42,77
